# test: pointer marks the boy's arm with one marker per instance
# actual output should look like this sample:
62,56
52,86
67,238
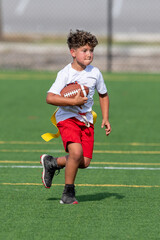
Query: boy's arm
58,100
104,103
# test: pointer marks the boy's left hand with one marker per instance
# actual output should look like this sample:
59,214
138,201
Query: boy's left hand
107,126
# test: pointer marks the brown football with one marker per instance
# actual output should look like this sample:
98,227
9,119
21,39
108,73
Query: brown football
71,90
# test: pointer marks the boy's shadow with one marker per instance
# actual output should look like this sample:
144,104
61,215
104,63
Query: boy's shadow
98,196
94,197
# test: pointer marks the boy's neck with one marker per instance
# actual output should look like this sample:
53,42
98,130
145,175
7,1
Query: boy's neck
77,67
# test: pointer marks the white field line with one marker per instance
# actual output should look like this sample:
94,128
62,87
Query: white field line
92,163
124,168
93,168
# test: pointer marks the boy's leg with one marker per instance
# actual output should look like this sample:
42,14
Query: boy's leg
61,161
72,165
77,147
85,162
51,164
74,159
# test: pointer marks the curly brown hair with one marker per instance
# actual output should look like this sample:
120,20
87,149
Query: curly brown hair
81,38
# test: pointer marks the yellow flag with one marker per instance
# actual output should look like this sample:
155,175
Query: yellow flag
48,136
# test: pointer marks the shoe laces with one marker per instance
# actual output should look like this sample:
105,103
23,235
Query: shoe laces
57,172
52,171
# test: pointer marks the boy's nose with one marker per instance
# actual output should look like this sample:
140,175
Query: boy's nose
89,53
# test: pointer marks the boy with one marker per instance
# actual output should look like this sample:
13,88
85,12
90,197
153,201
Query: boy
77,136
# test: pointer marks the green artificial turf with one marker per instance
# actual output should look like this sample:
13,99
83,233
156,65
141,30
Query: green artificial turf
114,204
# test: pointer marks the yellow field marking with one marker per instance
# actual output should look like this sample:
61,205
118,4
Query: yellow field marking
94,163
116,185
22,184
95,151
10,161
45,76
126,152
84,185
135,144
96,143
30,150
134,78
21,76
27,142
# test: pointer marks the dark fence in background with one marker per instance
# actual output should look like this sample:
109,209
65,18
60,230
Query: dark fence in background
33,33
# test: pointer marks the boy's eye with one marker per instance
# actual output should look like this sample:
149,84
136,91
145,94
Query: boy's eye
85,50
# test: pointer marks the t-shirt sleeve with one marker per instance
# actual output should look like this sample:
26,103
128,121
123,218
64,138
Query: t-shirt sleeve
59,83
100,84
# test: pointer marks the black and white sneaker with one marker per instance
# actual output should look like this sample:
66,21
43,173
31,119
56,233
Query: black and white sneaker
68,196
50,166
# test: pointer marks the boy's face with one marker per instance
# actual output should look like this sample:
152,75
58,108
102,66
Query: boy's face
82,56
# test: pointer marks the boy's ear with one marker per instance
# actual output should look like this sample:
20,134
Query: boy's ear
72,51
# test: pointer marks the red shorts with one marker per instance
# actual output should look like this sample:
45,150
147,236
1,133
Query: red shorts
73,130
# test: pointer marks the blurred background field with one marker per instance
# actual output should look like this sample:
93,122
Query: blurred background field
33,33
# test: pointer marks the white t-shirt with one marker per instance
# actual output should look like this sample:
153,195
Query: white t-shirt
90,77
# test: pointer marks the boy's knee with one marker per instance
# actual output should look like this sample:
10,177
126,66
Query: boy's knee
76,152
77,156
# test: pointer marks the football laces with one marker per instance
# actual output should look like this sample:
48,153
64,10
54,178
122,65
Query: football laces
71,93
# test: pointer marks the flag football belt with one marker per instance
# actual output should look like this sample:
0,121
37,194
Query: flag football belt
48,136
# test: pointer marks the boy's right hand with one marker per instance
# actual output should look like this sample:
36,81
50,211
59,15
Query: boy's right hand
80,100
